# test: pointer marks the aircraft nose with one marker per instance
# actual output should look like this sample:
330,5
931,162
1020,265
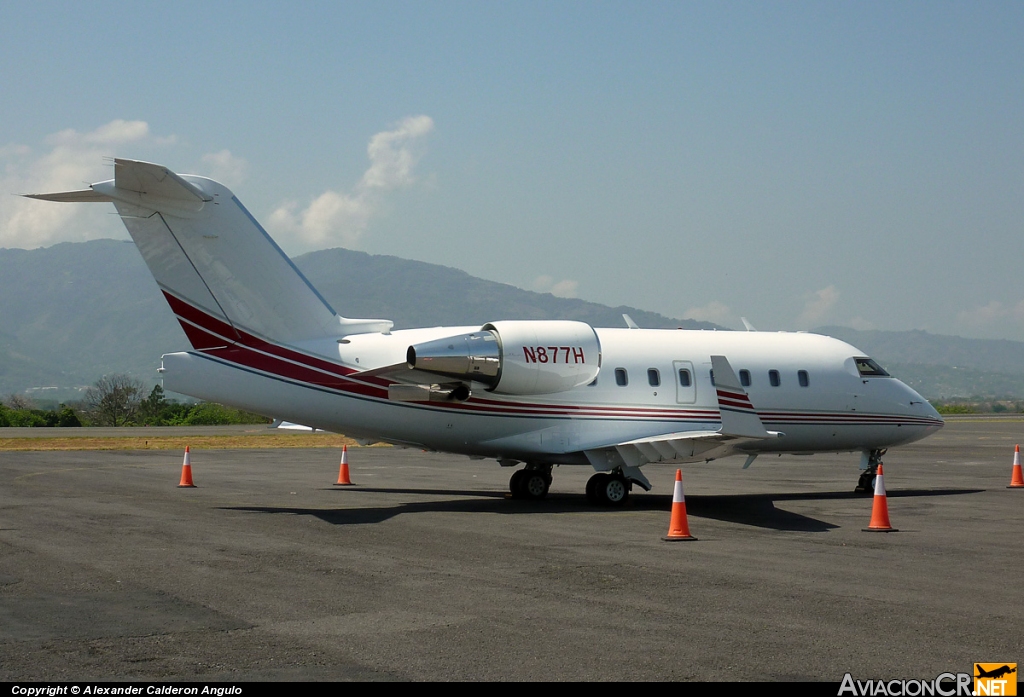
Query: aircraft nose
922,407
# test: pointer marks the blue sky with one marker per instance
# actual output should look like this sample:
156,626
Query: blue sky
799,164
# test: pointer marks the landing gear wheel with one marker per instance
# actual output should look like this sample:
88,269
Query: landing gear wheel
593,484
515,484
606,489
615,491
534,484
866,483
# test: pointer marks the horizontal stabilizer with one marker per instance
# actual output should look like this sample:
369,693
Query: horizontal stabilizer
83,196
155,180
146,185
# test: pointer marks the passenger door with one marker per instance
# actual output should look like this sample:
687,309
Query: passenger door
686,382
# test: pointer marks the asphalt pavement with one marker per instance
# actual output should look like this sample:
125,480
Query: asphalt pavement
426,570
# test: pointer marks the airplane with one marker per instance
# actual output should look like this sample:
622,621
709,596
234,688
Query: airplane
536,393
995,673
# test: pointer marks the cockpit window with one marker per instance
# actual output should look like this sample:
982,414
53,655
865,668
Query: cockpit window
868,368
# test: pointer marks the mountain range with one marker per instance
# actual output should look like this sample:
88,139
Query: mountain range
73,312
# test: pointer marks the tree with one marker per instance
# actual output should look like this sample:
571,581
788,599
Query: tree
18,401
152,406
115,399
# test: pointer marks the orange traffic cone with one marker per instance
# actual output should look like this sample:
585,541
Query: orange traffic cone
186,472
1017,478
678,528
880,508
343,479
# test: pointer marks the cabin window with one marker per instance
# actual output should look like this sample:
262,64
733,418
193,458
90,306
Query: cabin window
867,367
684,377
621,379
773,378
801,376
653,377
745,378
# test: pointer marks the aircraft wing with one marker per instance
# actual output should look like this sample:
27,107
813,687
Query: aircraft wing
740,425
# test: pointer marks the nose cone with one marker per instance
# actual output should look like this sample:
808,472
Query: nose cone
921,415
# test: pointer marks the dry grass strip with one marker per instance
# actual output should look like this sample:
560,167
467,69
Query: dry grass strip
284,440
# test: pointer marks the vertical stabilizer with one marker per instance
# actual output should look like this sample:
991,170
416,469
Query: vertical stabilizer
222,274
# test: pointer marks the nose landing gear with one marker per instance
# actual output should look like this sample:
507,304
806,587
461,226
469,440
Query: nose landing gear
866,483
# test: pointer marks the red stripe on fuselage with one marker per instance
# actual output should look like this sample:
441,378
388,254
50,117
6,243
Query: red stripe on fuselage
205,332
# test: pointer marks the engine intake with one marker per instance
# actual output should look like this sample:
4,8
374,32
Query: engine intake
515,357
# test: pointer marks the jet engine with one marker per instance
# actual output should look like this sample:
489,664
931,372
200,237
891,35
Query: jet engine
515,357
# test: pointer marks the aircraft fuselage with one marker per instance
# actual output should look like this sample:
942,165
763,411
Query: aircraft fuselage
820,402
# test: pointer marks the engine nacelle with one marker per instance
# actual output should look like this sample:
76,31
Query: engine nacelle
516,357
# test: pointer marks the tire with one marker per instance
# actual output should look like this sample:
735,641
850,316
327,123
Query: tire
865,485
615,491
515,484
534,484
593,486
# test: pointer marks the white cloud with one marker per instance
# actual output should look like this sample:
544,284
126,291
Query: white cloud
993,313
335,217
117,132
817,306
74,160
392,157
714,311
560,289
225,167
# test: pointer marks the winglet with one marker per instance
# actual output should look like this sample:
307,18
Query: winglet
738,415
629,321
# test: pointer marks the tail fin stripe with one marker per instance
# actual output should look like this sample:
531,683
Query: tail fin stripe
214,326
199,318
202,340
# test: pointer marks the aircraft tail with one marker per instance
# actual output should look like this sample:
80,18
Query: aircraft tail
222,274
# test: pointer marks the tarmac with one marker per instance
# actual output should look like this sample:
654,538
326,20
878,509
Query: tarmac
426,570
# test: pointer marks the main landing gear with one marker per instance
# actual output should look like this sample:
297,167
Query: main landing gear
532,482
608,489
603,489
866,483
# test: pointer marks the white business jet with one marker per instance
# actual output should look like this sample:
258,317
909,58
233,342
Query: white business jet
538,393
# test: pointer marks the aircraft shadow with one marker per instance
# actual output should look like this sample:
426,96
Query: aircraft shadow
757,510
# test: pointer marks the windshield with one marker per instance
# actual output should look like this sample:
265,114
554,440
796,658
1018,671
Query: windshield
868,368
